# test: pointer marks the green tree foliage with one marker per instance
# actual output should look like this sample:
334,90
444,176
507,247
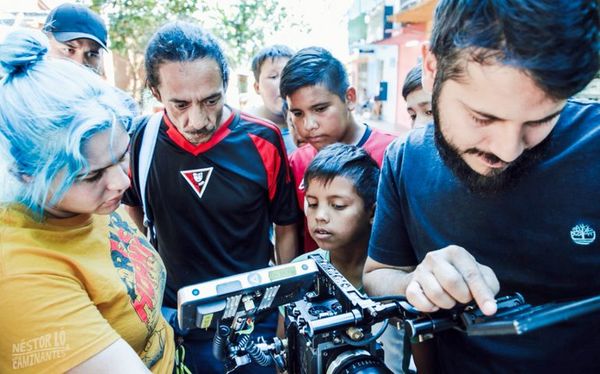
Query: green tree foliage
132,23
241,26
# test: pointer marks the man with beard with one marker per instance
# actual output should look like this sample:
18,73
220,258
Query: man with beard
217,180
502,190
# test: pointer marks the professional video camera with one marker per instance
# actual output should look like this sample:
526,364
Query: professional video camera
328,322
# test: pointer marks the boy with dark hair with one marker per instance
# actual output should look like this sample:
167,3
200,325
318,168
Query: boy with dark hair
266,67
512,166
341,188
418,101
321,101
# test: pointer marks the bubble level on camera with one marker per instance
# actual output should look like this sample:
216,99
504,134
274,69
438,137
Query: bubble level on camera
282,273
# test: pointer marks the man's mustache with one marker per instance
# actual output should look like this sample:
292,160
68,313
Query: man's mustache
204,131
492,158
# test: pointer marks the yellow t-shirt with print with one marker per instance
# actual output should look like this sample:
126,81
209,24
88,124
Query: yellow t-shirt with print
71,287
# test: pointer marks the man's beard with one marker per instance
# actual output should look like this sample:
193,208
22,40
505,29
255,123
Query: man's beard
497,180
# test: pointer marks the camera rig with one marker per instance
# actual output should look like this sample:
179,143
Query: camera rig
328,322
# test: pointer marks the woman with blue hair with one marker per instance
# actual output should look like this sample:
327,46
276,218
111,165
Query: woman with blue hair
80,286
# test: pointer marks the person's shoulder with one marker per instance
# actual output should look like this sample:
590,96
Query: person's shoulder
583,103
395,148
260,127
139,124
577,127
383,134
381,137
580,109
254,121
141,121
28,245
415,140
304,154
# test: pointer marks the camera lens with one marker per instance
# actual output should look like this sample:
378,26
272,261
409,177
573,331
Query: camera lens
357,362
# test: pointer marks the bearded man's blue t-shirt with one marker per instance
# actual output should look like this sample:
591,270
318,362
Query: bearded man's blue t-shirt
538,236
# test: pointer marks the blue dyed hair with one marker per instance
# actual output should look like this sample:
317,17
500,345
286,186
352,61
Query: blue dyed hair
350,162
272,52
182,42
49,109
555,42
311,67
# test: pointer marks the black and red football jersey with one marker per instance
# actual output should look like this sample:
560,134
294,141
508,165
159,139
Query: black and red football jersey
213,204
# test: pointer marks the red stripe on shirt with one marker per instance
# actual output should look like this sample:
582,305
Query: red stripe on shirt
272,126
271,160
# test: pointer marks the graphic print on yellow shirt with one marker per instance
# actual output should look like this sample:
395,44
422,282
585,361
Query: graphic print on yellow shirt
71,287
143,276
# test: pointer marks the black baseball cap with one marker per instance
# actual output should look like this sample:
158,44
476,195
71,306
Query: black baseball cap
73,21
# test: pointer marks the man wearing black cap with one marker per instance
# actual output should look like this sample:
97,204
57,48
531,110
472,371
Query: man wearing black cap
77,33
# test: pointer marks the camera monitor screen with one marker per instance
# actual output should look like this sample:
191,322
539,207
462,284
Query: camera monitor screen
248,294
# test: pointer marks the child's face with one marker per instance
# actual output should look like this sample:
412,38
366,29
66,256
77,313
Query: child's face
320,116
418,105
268,83
336,215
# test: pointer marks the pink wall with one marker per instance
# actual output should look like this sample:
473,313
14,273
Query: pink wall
407,59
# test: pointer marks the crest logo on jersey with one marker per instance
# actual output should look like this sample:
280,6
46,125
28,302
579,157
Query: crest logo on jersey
197,179
583,234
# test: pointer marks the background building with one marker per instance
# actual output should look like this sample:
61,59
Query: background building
385,40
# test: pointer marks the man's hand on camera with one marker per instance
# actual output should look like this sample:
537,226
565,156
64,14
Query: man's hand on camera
452,275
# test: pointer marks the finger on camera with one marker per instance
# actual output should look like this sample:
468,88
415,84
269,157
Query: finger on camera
490,278
416,297
482,293
453,283
434,291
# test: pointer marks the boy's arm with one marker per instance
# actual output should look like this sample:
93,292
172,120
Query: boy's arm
286,243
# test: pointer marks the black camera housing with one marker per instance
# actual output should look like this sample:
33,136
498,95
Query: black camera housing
327,351
329,323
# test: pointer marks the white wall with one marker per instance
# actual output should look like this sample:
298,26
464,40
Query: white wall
382,67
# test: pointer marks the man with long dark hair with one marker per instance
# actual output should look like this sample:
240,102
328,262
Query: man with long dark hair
218,179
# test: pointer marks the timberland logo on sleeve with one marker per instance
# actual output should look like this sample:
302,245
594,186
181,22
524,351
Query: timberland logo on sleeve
583,234
197,179
47,347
